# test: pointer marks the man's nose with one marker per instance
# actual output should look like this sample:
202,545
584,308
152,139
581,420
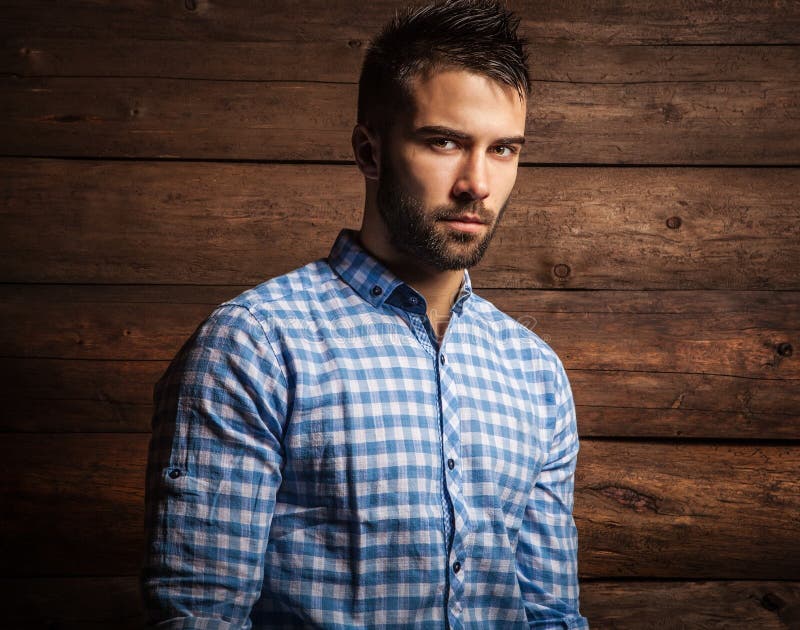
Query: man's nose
473,178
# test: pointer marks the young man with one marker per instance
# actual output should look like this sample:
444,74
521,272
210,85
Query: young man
363,442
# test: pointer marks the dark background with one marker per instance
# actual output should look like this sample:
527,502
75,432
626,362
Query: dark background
158,157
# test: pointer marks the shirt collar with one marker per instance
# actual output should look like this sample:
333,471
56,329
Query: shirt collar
374,282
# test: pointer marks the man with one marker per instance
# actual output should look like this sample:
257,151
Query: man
363,442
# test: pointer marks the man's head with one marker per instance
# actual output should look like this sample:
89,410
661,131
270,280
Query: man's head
441,120
475,35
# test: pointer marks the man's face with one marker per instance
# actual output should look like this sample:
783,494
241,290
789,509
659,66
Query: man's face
454,156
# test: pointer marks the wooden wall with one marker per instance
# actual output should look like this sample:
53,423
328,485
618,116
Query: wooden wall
158,157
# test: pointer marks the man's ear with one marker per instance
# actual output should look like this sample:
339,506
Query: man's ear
366,150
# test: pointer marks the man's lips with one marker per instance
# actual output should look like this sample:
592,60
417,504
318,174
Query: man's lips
465,223
466,218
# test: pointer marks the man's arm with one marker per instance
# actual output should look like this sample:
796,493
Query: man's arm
547,550
212,474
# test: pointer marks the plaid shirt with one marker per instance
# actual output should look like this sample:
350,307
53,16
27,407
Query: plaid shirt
319,460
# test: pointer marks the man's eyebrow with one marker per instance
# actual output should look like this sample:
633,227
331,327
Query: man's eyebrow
438,130
511,140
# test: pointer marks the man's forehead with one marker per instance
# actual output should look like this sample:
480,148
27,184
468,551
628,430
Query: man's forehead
452,97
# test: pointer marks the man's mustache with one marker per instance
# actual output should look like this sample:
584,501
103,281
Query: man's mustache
444,213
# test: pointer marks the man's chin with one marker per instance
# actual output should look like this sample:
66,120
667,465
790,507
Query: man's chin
462,254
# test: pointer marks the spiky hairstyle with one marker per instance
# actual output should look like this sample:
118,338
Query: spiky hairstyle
476,35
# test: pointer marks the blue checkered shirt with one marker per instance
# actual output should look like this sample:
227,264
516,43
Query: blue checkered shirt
319,460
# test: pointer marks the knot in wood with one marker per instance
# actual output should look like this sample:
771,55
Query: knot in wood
772,602
637,501
785,349
561,270
673,223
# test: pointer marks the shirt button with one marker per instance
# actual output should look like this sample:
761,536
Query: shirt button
441,359
413,300
174,473
456,566
451,464
376,290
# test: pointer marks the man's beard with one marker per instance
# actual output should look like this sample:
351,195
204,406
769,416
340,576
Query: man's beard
417,233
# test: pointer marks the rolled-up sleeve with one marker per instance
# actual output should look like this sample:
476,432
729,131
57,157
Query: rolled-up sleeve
213,471
547,550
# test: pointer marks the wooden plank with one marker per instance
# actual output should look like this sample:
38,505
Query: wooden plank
721,333
176,119
679,605
634,123
332,60
336,60
73,604
601,228
603,21
57,395
74,504
653,404
688,511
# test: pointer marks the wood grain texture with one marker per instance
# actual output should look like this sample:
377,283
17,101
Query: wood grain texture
654,404
113,602
643,509
697,605
77,504
330,60
585,21
131,222
635,123
688,511
77,396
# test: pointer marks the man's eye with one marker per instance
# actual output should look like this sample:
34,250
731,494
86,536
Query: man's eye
442,143
504,150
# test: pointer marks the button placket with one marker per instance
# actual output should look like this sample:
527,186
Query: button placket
448,378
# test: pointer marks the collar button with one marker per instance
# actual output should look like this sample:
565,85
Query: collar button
376,290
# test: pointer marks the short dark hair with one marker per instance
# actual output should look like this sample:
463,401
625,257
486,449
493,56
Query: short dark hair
476,35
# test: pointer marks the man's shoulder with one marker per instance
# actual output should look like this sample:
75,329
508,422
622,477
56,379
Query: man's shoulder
514,333
290,295
294,285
